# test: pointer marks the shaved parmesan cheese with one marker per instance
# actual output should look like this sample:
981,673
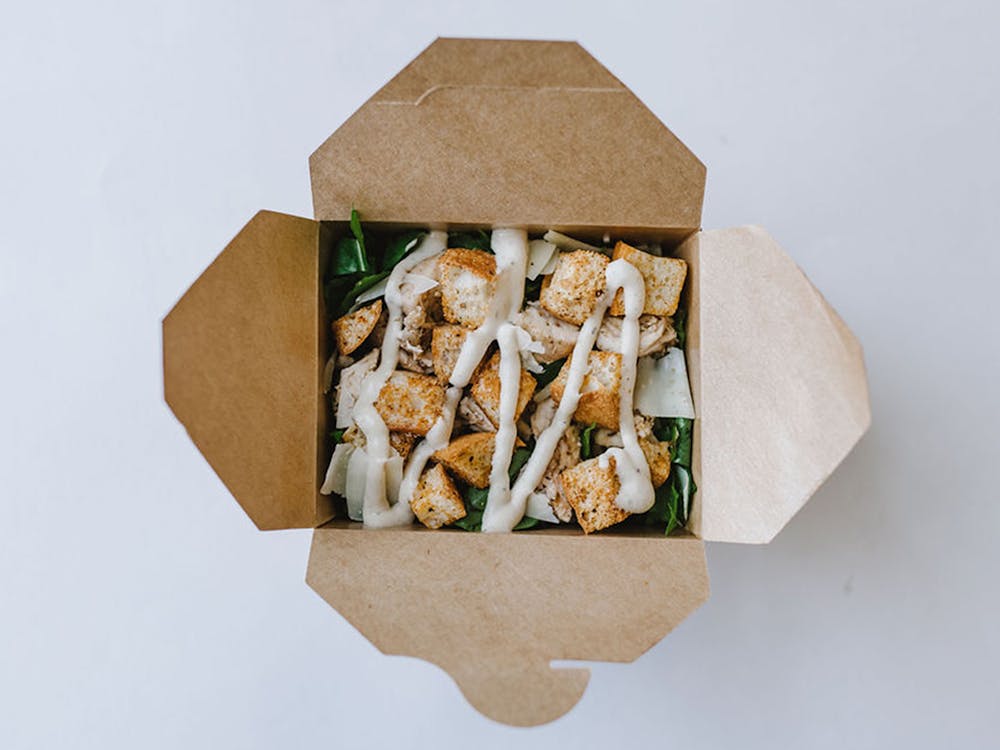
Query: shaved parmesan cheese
568,243
538,507
336,473
550,267
661,386
354,486
540,254
417,283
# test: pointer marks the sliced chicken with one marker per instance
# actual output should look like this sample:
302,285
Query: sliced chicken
556,336
655,334
350,386
471,414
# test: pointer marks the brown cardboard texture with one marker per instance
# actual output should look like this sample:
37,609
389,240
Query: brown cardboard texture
487,132
778,381
495,611
538,135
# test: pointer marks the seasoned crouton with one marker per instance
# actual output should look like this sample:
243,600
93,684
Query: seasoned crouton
351,330
663,277
446,345
409,402
468,285
658,457
591,488
470,457
571,291
486,390
436,502
599,393
402,443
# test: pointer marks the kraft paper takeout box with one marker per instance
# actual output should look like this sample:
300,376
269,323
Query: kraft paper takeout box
537,135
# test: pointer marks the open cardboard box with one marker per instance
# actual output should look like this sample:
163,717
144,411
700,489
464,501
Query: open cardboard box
537,135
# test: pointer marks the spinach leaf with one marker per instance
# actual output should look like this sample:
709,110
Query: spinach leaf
680,324
548,373
399,246
337,436
356,230
526,523
477,239
586,449
476,497
533,289
673,498
349,257
473,521
681,452
361,284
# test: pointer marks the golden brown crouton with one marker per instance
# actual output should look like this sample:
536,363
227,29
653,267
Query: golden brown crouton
486,390
446,345
570,292
351,330
402,443
591,489
436,502
410,402
600,390
470,457
468,285
658,457
663,277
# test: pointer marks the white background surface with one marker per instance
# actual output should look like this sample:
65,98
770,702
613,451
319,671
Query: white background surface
140,608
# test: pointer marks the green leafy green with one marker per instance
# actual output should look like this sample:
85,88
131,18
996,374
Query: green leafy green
548,373
673,497
476,497
349,257
526,523
532,289
680,325
337,436
476,239
399,246
356,230
586,448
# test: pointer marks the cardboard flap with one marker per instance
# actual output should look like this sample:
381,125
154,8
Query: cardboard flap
494,610
241,369
488,132
779,385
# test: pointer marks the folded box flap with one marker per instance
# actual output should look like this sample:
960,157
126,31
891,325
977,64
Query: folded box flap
779,383
494,610
241,369
538,134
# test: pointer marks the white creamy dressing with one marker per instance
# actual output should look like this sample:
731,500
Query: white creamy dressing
388,486
377,451
636,490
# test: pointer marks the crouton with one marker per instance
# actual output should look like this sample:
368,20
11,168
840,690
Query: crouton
663,277
599,393
571,291
351,330
470,457
468,285
591,488
409,402
402,443
436,502
658,457
446,345
486,390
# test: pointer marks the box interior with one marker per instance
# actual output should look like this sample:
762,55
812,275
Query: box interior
672,241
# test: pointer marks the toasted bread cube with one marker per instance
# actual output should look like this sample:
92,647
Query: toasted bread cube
436,502
658,457
468,285
599,393
570,292
663,277
410,402
351,330
591,488
402,443
470,457
446,345
486,390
